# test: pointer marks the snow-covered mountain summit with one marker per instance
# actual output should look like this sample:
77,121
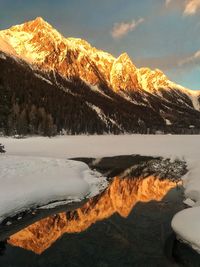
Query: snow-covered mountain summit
39,43
119,95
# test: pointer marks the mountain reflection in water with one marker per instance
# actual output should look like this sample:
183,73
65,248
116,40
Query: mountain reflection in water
120,197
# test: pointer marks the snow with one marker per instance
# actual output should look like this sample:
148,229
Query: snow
189,202
105,119
95,88
22,41
183,147
194,98
168,122
186,225
2,56
99,112
6,47
186,222
192,94
42,78
28,182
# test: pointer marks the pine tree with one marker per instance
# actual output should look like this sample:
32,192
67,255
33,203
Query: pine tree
23,123
5,109
42,121
33,120
14,118
2,149
49,126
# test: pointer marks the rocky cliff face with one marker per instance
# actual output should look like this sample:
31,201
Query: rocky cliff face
123,75
119,97
39,43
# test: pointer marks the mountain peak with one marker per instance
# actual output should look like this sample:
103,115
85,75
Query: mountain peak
124,55
37,24
38,42
33,40
39,20
123,75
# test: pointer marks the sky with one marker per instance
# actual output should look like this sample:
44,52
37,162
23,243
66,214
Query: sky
163,34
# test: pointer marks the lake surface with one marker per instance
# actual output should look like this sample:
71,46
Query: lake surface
126,225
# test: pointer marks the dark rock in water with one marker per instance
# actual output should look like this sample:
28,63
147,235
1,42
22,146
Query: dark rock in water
136,165
185,255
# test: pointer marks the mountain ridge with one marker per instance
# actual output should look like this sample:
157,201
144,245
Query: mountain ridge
50,84
38,42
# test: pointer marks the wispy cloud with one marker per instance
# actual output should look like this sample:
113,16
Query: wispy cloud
123,28
191,60
167,2
191,7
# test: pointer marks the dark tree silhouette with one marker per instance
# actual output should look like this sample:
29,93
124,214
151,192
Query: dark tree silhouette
2,149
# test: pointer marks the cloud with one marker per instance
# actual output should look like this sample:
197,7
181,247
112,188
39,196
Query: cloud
191,60
177,4
167,2
123,28
191,7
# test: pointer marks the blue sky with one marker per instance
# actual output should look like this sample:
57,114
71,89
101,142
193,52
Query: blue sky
161,34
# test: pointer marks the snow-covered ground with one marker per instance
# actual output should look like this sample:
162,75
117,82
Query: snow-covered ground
105,145
186,223
29,182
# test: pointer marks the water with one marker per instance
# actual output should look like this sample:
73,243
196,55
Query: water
126,225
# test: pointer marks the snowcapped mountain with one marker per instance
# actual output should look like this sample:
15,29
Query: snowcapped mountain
39,43
122,96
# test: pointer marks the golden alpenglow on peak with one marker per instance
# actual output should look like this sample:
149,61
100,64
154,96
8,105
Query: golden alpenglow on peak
38,42
36,24
123,74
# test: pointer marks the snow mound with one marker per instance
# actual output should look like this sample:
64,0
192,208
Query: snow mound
186,225
28,182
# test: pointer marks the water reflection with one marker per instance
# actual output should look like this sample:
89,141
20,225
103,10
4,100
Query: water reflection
121,197
2,247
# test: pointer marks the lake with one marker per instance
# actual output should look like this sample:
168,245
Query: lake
126,225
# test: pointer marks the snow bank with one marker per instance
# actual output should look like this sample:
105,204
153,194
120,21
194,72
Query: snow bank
186,223
27,182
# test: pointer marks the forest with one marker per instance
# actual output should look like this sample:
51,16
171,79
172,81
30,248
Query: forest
35,102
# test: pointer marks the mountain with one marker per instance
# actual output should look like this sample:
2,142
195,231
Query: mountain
49,83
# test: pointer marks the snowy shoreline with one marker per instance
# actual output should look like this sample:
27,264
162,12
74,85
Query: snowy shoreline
33,182
182,147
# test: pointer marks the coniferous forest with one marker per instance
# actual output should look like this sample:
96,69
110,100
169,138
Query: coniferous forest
34,102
